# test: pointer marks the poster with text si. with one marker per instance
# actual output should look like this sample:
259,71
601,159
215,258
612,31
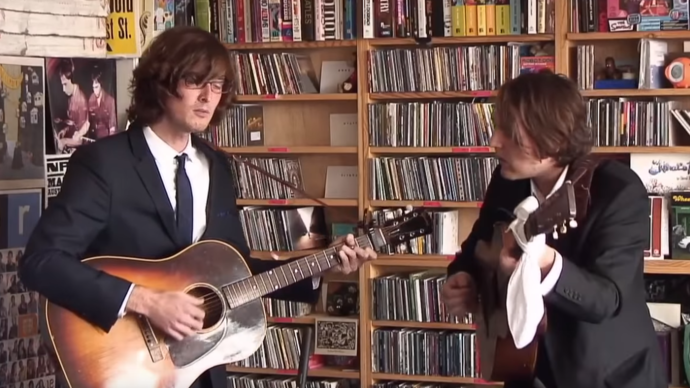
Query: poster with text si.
122,29
22,118
56,167
23,362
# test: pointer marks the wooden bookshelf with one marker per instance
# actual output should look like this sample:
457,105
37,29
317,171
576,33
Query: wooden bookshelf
297,126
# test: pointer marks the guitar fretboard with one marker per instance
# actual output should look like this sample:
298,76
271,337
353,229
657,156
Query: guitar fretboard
255,287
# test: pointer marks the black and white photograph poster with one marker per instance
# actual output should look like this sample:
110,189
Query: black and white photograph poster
82,101
22,117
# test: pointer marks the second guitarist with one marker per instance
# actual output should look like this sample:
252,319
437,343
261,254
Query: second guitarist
600,333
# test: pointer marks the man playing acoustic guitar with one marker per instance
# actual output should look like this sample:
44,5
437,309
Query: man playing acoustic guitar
599,333
150,192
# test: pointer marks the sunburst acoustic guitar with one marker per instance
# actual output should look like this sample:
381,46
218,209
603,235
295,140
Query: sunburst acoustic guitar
133,354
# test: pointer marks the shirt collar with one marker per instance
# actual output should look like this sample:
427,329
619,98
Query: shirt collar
559,183
163,152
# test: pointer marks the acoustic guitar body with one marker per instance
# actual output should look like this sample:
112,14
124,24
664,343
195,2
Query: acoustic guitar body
514,364
500,359
134,354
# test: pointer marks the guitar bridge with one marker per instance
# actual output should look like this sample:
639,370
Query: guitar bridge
150,338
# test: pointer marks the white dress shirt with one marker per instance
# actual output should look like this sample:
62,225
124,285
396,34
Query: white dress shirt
198,171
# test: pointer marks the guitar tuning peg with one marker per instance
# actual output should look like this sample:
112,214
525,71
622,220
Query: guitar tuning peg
564,229
573,223
555,232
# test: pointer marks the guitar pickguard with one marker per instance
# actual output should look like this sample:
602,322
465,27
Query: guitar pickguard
236,338
185,352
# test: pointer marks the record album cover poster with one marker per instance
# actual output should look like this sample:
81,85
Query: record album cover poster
23,361
81,98
662,173
22,118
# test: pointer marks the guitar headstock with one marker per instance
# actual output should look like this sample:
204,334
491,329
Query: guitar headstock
556,214
409,226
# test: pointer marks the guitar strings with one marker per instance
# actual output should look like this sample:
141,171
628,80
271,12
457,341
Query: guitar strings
217,304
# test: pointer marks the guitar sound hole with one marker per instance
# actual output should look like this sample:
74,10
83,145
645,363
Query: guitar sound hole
213,305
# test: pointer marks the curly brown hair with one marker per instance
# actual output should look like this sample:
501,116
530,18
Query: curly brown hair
550,111
181,53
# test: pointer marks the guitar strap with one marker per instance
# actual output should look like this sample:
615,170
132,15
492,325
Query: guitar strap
581,174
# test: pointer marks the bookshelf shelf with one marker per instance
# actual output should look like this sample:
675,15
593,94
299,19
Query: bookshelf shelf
291,150
433,379
312,97
488,150
446,258
429,204
423,325
313,372
632,35
292,45
642,150
463,40
431,150
421,262
667,267
636,92
305,319
431,95
658,267
297,202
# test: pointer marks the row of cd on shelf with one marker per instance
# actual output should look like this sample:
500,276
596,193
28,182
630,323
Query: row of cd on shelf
615,122
411,296
305,228
394,351
451,178
437,69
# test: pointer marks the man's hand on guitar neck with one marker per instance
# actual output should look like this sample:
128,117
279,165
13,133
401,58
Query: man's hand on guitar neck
459,294
351,255
179,315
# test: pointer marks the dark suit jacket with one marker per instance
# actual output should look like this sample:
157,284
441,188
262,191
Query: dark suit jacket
113,202
600,333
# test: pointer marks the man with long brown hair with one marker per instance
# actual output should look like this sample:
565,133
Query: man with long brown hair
599,333
150,192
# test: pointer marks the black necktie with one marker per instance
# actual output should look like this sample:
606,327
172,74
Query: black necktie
185,207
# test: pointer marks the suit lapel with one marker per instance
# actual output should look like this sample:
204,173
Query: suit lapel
151,179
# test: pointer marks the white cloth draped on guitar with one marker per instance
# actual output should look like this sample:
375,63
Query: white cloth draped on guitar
524,301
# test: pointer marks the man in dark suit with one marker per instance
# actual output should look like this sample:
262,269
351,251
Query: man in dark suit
150,192
600,333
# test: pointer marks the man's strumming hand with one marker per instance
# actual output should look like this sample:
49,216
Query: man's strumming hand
177,314
459,294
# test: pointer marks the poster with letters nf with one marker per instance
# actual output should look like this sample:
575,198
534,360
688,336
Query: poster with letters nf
56,167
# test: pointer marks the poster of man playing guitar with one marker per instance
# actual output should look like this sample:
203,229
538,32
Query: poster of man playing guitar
81,100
